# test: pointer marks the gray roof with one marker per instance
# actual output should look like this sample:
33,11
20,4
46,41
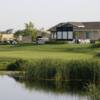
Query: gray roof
78,25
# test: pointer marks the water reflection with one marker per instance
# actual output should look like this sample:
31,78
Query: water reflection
15,89
56,87
79,88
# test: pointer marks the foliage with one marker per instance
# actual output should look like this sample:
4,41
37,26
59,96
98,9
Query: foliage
56,42
29,30
0,36
17,65
77,34
49,69
97,54
95,45
94,92
19,32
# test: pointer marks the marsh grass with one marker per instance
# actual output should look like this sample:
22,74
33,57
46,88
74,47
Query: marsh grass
17,65
50,69
96,45
94,92
97,54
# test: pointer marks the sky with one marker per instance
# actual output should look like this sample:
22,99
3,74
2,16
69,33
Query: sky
46,13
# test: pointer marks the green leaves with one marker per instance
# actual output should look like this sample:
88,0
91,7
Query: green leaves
29,30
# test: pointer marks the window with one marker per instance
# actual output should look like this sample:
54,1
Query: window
87,35
70,35
65,35
59,35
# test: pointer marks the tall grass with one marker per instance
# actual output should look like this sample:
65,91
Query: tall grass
96,45
94,92
49,69
4,62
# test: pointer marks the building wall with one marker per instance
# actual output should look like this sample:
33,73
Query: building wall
96,35
62,35
5,37
82,35
89,35
68,35
24,39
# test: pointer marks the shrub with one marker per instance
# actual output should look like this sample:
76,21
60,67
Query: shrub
95,45
97,54
56,42
17,65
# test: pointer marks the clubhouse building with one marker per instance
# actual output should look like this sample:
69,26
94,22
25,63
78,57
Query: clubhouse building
75,30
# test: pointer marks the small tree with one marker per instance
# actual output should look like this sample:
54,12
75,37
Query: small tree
0,36
77,34
29,30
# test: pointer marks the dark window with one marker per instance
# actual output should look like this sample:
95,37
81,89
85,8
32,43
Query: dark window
59,28
64,28
87,35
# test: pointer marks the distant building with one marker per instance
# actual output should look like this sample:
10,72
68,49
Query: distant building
6,36
75,30
24,39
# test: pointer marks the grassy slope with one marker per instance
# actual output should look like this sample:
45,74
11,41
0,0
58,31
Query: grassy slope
66,51
8,53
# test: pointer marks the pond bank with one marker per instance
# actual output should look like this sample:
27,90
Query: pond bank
59,70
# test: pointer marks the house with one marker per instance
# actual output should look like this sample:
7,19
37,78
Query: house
6,36
42,34
75,30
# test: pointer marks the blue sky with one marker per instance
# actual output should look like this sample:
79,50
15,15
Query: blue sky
46,13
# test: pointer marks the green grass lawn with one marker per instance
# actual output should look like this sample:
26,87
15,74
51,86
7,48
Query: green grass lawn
61,51
8,53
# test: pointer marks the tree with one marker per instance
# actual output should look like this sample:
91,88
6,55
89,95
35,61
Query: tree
43,32
77,34
0,36
19,32
29,30
29,26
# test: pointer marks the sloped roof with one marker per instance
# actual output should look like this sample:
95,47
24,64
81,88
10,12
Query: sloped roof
78,25
92,25
54,27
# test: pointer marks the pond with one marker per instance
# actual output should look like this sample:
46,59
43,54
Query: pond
12,89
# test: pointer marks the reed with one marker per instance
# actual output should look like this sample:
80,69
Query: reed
50,69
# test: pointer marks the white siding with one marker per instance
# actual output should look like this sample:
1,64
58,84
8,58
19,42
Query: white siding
7,37
20,38
51,36
54,35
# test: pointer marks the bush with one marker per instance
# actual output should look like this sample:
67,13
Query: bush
17,65
56,42
96,45
97,54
